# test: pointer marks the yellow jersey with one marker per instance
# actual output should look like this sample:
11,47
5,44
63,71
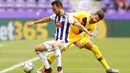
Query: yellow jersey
84,19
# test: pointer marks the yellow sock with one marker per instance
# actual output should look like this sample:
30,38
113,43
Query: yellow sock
50,58
99,56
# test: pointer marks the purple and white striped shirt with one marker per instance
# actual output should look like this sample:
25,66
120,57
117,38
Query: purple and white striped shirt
62,26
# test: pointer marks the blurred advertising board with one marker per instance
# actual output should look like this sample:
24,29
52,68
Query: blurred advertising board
13,26
17,30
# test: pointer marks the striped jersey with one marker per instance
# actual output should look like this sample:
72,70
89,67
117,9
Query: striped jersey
62,26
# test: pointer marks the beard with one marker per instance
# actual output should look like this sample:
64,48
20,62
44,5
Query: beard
58,13
91,21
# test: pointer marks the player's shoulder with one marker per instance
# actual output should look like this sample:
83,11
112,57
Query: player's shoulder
53,14
83,13
70,14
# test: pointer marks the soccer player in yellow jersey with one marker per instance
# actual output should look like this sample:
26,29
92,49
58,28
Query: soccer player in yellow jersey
89,21
82,41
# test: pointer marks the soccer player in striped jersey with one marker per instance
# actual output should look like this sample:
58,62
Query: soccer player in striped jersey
63,23
82,41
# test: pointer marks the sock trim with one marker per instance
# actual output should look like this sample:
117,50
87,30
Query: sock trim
100,59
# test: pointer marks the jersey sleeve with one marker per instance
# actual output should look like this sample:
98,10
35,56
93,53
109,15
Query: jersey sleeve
52,17
78,15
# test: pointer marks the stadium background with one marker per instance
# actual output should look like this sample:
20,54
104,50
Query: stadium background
17,42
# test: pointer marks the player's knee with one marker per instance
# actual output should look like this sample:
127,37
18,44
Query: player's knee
38,48
55,45
92,47
89,45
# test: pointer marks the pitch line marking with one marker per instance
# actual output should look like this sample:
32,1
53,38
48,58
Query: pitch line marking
22,63
36,58
18,65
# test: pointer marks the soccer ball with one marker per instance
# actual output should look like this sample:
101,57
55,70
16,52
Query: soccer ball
28,67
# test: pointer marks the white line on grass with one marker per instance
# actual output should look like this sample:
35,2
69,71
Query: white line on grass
18,65
34,59
91,69
22,63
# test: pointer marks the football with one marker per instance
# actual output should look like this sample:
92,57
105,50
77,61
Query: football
28,67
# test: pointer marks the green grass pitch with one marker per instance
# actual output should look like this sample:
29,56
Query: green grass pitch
115,50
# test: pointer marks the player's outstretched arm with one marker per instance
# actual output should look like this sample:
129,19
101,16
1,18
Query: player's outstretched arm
43,20
81,27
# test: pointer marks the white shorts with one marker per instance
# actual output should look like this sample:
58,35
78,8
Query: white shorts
48,44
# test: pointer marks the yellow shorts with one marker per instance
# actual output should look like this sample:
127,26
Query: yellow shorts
85,41
73,39
76,38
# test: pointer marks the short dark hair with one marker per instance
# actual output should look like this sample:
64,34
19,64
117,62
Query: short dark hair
100,14
57,3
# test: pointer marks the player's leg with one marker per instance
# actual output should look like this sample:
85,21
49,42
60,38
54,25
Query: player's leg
57,51
40,52
51,57
90,46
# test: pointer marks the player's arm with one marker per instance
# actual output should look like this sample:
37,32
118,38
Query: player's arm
75,22
85,37
43,20
81,27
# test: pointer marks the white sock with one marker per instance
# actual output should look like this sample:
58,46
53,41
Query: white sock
44,59
57,53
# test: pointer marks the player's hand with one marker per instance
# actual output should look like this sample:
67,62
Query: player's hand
30,24
91,35
79,44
